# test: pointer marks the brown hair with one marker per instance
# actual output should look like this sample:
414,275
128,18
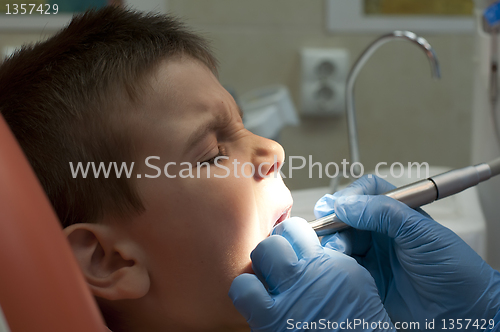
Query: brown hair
58,95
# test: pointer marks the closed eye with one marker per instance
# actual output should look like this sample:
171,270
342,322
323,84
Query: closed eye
220,153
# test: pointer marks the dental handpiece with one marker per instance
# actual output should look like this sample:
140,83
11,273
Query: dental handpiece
422,192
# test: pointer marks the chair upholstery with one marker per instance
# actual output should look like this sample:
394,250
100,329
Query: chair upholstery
41,286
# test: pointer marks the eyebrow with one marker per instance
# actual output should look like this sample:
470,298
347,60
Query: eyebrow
216,123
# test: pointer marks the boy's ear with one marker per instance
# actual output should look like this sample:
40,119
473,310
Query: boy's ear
111,264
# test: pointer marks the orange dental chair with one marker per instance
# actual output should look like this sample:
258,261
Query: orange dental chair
41,286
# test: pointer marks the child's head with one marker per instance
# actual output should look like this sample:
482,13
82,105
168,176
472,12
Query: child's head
158,252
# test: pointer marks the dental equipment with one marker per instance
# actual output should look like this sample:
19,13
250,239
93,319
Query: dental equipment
353,74
422,192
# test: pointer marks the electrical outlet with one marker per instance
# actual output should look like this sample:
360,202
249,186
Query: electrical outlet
324,75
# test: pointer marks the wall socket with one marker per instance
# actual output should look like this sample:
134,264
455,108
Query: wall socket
324,75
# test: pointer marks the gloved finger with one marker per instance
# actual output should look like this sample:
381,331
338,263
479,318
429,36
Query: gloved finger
250,297
377,213
301,236
352,242
421,211
274,261
366,185
340,242
324,206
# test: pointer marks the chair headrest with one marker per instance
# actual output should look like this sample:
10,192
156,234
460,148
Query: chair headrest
41,286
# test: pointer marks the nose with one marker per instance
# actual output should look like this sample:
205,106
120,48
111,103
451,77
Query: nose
268,157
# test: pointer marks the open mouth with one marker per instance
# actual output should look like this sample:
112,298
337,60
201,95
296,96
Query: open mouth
285,215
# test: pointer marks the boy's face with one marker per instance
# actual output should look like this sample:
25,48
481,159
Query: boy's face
197,233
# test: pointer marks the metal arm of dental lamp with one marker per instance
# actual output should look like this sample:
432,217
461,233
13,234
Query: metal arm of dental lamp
353,74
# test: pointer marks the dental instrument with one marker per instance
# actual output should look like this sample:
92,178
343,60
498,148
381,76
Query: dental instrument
422,192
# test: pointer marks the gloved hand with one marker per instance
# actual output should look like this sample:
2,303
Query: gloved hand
423,270
299,283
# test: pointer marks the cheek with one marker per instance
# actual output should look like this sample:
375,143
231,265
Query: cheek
230,207
231,225
214,220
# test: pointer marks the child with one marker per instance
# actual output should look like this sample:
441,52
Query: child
160,245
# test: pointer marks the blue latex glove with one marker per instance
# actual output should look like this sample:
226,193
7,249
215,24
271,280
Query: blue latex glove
298,281
423,270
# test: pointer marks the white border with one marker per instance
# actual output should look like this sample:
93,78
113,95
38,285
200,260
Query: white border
348,16
55,22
